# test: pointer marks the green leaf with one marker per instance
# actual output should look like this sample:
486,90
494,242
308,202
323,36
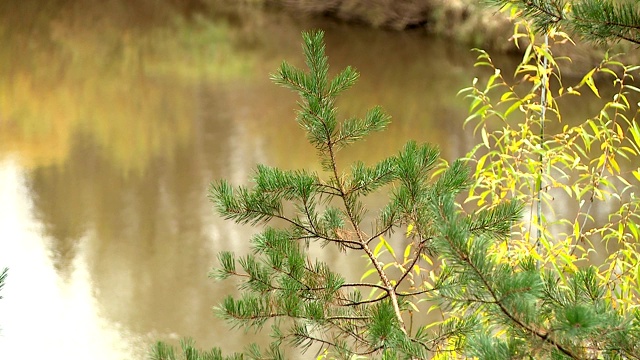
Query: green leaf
631,87
635,132
513,107
485,138
367,273
508,95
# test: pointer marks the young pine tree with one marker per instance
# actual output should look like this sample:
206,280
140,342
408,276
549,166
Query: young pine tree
495,302
307,303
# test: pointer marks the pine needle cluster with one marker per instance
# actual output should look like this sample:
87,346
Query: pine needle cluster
3,277
599,21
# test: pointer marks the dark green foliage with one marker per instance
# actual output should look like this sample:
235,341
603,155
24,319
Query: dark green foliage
493,306
596,20
303,300
188,351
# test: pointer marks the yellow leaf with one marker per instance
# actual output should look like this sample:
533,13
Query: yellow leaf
376,251
431,308
506,96
323,355
386,245
635,131
407,251
619,131
513,107
569,261
413,306
588,79
409,229
481,162
500,333
614,164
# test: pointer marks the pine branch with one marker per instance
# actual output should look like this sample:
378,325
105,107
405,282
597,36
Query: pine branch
380,232
488,286
365,285
242,211
543,335
328,146
369,301
315,233
335,345
3,277
596,20
606,20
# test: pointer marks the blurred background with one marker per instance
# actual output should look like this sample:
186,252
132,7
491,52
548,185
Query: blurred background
116,115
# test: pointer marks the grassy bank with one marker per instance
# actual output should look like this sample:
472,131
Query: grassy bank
463,21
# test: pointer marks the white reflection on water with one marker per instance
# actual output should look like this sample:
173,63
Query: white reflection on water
41,314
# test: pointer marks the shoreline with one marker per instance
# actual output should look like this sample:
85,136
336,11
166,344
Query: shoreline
461,21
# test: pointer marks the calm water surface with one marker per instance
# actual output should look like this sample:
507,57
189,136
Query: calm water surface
114,118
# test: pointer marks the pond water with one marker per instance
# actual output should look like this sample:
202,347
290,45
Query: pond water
115,117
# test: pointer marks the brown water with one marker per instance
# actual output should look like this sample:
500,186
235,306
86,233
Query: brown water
114,118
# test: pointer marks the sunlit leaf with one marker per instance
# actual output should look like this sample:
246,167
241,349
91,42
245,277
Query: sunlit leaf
631,87
407,252
413,306
588,80
409,229
485,137
387,246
